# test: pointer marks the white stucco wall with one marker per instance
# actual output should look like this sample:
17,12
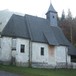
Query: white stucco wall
5,49
6,52
69,59
22,57
36,52
61,54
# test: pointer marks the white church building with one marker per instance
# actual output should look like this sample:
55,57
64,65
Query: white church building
33,41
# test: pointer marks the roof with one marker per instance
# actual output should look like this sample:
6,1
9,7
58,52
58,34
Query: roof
37,30
16,27
72,50
51,9
41,31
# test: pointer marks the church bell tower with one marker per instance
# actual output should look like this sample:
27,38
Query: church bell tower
51,15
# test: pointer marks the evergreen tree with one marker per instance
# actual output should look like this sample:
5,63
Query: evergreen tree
63,16
69,15
68,25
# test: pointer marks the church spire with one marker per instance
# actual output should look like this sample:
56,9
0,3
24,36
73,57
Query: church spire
51,9
52,15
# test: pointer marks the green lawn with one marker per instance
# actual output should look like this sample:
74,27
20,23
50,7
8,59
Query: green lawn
38,72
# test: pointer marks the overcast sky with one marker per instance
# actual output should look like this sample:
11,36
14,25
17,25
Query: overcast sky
38,7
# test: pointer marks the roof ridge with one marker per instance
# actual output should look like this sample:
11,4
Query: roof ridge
28,26
35,16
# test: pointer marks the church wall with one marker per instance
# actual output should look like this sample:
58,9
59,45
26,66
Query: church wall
52,57
60,54
22,57
38,58
62,57
5,56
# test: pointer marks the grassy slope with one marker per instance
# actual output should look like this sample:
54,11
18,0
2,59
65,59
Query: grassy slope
38,72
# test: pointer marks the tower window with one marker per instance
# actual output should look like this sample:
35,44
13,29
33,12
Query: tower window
42,51
22,48
53,17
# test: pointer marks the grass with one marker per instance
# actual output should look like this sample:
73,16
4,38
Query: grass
38,72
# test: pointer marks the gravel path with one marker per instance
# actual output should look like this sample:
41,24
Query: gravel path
3,73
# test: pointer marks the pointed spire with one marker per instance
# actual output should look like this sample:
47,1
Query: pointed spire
51,16
51,9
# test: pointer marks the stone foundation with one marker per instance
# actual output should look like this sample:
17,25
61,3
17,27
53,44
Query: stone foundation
22,64
63,65
5,62
41,65
46,65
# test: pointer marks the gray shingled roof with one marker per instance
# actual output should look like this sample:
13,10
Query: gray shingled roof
37,29
41,31
16,27
72,49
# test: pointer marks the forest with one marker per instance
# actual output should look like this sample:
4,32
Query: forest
68,26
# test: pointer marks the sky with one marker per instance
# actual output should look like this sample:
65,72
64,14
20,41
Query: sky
38,7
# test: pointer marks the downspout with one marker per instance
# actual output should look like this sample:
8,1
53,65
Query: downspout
30,43
30,53
66,56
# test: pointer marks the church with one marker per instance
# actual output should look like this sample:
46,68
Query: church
37,42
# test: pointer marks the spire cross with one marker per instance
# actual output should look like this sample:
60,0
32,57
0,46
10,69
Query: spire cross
50,1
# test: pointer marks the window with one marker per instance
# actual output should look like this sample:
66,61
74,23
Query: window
42,51
13,44
53,16
73,58
22,48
